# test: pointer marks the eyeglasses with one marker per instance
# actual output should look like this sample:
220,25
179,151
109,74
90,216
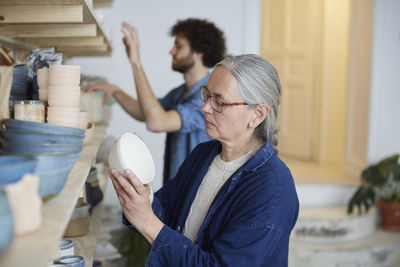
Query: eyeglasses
216,103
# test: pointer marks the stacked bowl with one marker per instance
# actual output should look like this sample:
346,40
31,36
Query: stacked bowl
43,83
63,95
56,149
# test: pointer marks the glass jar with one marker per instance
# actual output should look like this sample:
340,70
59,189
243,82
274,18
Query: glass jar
29,110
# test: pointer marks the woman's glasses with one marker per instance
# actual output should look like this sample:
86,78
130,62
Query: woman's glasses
216,103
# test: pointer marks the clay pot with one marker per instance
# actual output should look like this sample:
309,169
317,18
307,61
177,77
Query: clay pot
390,216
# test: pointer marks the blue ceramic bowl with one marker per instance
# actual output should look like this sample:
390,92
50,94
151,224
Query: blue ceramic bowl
38,148
53,172
37,127
52,182
29,137
12,168
73,261
6,224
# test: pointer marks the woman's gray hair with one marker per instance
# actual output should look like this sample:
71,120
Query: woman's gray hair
258,84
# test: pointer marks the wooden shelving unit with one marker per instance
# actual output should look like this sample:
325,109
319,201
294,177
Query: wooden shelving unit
41,246
69,25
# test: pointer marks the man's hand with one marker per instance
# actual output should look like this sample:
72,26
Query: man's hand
108,89
131,42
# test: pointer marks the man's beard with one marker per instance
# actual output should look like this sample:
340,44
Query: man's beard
184,64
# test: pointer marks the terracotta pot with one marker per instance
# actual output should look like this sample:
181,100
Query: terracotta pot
390,216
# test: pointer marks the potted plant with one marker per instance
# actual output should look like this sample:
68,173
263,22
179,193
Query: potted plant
381,185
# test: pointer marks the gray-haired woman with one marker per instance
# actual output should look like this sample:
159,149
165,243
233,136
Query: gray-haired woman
233,201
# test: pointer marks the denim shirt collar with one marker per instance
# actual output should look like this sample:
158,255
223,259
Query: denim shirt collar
196,88
262,155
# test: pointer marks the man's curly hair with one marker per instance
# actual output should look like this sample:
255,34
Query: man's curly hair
204,37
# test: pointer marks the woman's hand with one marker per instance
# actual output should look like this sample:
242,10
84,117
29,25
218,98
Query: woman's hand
131,42
135,203
108,89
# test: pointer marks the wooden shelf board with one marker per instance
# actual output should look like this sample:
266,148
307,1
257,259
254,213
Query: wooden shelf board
102,3
13,14
48,30
87,53
31,20
65,41
41,246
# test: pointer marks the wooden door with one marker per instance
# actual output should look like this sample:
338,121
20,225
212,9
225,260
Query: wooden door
290,40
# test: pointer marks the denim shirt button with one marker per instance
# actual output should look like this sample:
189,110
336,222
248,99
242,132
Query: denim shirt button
178,228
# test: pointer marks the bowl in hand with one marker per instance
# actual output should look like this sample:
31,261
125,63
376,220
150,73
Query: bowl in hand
129,152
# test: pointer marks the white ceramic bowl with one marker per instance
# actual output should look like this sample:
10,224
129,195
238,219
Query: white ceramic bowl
65,89
43,77
83,120
63,111
65,68
63,100
129,152
88,134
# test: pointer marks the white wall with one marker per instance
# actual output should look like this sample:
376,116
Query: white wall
239,19
384,138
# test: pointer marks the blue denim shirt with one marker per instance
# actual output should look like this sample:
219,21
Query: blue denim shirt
248,224
179,144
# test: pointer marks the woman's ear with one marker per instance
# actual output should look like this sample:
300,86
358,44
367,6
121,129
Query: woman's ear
259,115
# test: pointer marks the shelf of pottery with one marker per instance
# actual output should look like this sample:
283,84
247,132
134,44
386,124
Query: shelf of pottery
71,26
48,181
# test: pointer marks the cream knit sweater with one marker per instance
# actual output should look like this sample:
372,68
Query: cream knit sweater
217,174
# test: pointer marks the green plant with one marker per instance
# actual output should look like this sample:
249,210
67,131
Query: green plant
379,182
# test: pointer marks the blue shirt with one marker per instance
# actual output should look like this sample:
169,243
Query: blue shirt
248,224
179,144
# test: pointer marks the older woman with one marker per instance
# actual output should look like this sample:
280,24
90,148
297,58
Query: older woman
233,201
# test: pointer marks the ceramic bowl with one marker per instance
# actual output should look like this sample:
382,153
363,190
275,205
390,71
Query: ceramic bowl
64,111
73,261
31,137
66,247
64,89
6,224
12,168
63,100
56,264
68,119
37,127
65,68
43,77
83,119
64,75
38,148
129,152
53,171
43,96
63,124
89,134
70,115
93,102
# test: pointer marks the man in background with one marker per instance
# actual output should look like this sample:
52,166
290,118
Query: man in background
198,46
